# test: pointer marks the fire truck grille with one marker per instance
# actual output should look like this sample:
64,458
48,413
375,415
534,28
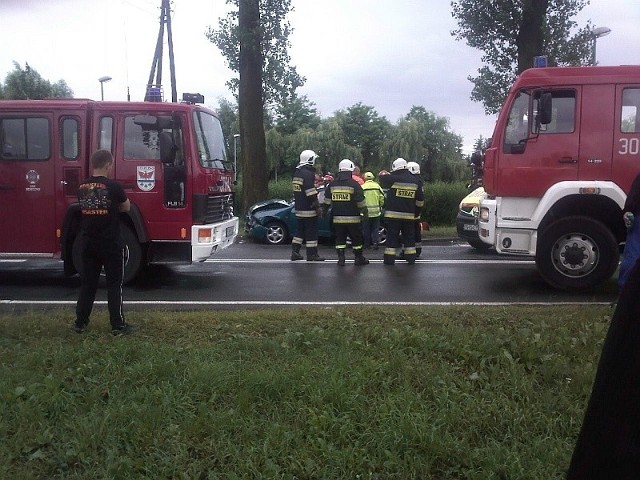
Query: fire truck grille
212,208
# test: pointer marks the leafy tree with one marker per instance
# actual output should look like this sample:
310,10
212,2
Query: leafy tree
228,113
296,112
423,137
281,79
365,130
511,33
27,83
251,105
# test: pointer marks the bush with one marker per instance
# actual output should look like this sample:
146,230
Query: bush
441,202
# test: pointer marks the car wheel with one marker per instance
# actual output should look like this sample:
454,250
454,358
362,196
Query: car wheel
277,233
576,253
133,257
479,245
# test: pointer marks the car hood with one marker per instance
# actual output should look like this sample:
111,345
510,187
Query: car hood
272,204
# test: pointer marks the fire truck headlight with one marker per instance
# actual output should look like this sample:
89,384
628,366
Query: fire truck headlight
484,214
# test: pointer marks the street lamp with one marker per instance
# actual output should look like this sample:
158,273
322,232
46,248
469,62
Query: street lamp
236,136
596,33
106,78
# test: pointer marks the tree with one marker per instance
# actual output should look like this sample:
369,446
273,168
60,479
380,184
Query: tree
251,105
423,137
281,79
296,112
228,113
365,130
23,84
511,33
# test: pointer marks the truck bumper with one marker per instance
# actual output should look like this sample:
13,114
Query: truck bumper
207,240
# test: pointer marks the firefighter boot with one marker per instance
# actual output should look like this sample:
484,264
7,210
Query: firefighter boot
312,255
295,252
360,260
341,260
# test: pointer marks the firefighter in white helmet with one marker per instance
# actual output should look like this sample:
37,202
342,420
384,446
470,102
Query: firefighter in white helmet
404,196
414,168
307,208
345,197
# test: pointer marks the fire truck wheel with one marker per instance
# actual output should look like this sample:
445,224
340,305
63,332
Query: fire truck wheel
132,254
479,245
576,253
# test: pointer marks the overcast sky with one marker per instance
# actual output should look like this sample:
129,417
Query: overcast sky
389,54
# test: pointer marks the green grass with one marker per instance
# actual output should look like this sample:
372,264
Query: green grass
430,393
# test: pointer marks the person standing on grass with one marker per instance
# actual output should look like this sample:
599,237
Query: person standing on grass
101,200
631,218
608,445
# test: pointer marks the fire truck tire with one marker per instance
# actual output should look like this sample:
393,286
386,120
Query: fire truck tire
576,253
479,245
132,254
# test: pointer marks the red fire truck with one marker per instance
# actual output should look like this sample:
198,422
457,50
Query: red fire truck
170,158
564,152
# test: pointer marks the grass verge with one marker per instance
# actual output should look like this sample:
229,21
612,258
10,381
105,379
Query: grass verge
430,393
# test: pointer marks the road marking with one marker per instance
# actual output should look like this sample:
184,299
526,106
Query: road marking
400,262
224,303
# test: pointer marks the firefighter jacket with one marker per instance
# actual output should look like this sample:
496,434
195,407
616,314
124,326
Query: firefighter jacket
405,195
345,197
305,195
374,197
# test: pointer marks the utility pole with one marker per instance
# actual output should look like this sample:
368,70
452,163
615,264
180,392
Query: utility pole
153,92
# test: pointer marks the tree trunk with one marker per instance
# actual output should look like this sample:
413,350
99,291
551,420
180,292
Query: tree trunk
253,160
530,39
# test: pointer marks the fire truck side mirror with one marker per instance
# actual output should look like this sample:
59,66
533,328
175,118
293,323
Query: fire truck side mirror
544,109
167,148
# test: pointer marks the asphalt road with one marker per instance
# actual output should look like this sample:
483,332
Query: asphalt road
249,275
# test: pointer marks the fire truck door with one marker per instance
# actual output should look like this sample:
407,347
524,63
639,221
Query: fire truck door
626,136
27,193
596,132
529,167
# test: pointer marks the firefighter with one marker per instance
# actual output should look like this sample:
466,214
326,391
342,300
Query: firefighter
307,208
346,198
404,197
374,196
414,168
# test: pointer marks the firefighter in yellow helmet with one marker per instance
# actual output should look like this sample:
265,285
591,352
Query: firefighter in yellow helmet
374,196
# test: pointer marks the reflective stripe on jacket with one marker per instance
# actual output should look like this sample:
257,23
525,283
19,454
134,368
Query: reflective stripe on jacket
374,197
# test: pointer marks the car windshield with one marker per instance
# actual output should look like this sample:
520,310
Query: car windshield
211,151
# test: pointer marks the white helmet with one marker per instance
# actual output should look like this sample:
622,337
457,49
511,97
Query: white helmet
307,157
346,165
414,168
398,164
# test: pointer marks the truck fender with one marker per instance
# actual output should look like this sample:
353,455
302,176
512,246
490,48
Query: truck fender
563,189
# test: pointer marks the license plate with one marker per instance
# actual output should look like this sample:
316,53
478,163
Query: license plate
470,227
231,230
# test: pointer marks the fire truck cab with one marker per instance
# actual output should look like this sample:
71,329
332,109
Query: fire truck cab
170,158
564,152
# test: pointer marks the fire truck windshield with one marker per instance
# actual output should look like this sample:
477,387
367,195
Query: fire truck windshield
211,151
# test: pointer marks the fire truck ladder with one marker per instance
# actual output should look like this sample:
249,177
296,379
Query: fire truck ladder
154,89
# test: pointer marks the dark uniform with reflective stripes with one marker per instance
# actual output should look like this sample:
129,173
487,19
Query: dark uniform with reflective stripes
405,197
346,198
305,197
